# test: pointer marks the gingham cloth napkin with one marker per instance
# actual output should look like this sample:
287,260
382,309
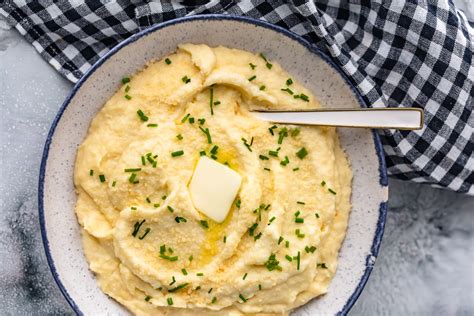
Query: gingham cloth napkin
412,53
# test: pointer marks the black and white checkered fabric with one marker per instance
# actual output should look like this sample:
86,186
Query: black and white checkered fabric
414,53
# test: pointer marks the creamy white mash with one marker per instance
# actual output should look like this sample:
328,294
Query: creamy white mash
151,249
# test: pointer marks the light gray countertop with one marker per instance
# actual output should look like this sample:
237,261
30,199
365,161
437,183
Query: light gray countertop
425,265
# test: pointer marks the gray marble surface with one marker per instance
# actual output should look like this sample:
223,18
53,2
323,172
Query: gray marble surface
425,265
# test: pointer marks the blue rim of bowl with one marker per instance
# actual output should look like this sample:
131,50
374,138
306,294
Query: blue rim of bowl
312,48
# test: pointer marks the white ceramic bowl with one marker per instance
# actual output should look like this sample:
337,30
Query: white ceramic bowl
307,64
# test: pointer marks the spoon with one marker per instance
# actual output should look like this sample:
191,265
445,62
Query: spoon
385,118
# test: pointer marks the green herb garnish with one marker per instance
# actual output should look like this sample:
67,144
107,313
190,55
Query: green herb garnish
136,228
332,191
285,161
262,87
269,66
170,301
202,121
245,276
185,118
252,78
125,80
170,209
242,298
147,230
237,203
302,153
288,90
152,125
282,134
288,258
128,97
180,219
249,146
166,257
289,82
132,178
179,137
142,116
102,178
311,249
177,153
207,133
252,66
91,172
186,79
211,100
321,265
132,169
167,61
302,96
204,224
147,298
272,263
262,157
179,287
272,128
214,300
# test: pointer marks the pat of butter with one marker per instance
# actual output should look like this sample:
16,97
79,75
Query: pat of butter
213,188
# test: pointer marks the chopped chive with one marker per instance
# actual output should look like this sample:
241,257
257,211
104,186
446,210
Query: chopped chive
295,132
296,169
143,161
207,133
170,301
259,287
302,96
262,157
269,66
258,236
271,220
267,169
186,79
114,183
91,172
242,298
217,102
132,169
127,88
136,228
282,134
297,213
125,80
289,82
148,200
332,191
252,66
311,249
101,178
162,249
316,214
210,290
154,164
142,115
132,178
280,239
191,258
180,219
252,78
298,260
197,288
128,97
272,128
204,224
164,197
156,205
273,153
200,274
237,203
246,144
179,136
214,300
202,121
252,229
299,220
214,150
302,153
287,244
299,234
133,208
225,239
202,153
300,202
191,120
288,258
170,209
167,61
152,125
185,118
245,276
173,280
272,263
147,230
211,101
177,153
150,160
262,87
285,161
179,287
147,298
288,90
163,256
321,265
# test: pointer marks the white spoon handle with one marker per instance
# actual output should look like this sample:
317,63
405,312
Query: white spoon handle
396,118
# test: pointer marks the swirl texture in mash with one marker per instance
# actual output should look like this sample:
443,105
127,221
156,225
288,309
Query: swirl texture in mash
150,248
